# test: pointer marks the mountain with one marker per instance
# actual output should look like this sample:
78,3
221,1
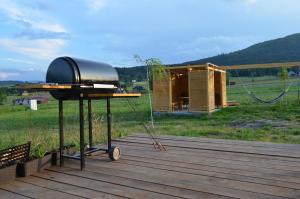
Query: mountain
286,49
137,73
9,83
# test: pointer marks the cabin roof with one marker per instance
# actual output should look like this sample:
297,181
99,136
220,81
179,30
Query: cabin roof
208,66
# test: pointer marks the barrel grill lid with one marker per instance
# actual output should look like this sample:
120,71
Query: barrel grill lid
63,70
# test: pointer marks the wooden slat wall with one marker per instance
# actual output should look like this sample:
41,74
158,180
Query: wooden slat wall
211,91
162,96
198,90
224,91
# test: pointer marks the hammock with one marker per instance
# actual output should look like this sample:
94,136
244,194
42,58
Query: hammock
259,100
271,101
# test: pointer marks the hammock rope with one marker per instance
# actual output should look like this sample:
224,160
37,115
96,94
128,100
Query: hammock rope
259,100
271,101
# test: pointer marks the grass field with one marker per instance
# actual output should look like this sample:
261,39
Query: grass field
249,121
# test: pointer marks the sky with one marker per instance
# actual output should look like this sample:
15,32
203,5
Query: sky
35,32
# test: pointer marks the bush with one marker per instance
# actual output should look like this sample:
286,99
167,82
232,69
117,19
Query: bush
3,96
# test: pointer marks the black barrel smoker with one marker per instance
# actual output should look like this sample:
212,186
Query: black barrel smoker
77,79
88,75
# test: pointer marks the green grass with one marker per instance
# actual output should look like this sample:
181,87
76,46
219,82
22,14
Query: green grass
249,121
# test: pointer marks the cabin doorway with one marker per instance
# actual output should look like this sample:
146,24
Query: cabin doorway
180,90
218,89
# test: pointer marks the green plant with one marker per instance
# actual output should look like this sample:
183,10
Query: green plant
39,151
3,96
155,68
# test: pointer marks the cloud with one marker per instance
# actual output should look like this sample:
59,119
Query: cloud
8,75
38,37
16,60
33,34
250,2
246,2
95,5
210,46
33,22
38,48
29,74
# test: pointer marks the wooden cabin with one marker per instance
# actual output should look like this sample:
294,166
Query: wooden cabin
192,88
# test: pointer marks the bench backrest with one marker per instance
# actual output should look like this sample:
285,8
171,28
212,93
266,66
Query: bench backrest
14,154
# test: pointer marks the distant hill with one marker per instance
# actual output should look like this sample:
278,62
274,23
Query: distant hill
286,49
9,83
137,73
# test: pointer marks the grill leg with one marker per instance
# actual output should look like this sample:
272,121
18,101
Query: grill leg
108,123
90,123
81,118
61,132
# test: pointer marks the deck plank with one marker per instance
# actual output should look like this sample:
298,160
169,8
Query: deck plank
51,183
196,182
137,183
97,184
221,141
283,161
190,168
33,191
217,154
165,165
11,195
267,174
219,147
171,181
184,156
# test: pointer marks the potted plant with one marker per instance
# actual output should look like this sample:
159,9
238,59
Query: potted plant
39,161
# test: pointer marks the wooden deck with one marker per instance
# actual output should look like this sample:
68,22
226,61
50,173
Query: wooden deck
191,168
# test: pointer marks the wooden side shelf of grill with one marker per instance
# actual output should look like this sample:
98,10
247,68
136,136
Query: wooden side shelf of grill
114,95
44,86
47,87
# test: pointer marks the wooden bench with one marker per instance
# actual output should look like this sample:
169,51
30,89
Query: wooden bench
14,155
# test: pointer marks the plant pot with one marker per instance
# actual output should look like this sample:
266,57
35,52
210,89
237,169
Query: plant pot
8,173
54,158
32,166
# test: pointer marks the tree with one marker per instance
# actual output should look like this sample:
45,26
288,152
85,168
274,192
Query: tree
3,96
154,69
